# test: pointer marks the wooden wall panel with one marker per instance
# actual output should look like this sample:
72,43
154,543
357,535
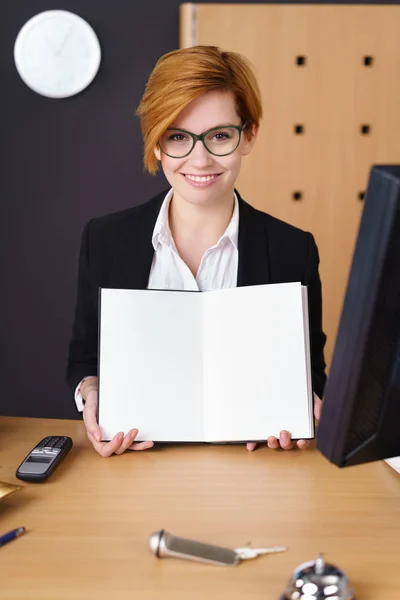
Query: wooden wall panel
333,95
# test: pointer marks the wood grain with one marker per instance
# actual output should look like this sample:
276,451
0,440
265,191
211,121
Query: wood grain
89,523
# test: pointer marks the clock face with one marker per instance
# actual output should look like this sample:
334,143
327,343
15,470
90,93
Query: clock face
57,53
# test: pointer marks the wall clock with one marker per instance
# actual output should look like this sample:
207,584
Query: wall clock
57,53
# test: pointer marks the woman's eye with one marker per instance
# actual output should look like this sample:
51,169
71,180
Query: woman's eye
221,136
177,137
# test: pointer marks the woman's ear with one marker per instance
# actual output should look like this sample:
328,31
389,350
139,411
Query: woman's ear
157,153
249,137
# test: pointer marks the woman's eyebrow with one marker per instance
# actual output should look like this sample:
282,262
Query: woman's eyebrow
224,124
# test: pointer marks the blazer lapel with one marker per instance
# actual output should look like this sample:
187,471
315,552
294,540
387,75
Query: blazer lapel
135,256
254,266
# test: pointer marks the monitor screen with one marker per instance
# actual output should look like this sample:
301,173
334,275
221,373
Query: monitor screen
360,419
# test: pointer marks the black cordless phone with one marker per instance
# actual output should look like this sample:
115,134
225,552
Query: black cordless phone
44,458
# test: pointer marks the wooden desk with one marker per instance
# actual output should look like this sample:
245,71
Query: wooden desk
90,522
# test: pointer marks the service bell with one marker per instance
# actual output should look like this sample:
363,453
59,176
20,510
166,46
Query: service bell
318,580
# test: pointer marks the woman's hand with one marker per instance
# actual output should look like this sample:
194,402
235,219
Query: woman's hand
285,442
119,442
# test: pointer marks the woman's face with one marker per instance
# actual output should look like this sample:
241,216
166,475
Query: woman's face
210,110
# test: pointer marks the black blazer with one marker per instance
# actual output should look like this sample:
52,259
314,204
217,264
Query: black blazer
117,252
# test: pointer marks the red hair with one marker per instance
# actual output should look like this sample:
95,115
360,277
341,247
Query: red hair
181,76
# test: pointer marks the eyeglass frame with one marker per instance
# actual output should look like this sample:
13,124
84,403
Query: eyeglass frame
196,138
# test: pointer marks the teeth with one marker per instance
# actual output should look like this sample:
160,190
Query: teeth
200,179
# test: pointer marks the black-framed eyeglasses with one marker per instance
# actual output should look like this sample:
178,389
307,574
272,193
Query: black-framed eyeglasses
219,141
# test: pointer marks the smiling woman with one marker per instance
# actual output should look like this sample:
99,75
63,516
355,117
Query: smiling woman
183,76
200,114
206,159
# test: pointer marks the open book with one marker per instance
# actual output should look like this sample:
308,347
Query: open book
218,366
394,463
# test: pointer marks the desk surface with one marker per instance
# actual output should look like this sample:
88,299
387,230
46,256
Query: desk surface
89,523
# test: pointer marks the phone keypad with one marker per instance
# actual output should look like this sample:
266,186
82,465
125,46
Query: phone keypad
52,444
44,442
59,444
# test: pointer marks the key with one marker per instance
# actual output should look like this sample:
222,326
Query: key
248,553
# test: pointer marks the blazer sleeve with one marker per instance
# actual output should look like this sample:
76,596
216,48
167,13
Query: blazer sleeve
83,346
317,336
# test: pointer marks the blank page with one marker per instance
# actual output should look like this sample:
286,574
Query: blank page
255,368
394,463
150,364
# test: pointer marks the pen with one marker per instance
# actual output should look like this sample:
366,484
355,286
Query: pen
11,535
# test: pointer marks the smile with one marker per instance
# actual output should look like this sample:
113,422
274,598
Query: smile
201,179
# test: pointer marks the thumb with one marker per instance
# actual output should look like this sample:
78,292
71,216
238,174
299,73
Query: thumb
90,416
317,407
251,446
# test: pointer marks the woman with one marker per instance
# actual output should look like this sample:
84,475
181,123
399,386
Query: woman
200,116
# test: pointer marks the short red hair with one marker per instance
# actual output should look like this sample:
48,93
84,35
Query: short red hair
181,76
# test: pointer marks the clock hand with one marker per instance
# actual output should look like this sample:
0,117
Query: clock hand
61,46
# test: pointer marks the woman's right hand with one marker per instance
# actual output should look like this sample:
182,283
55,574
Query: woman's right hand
119,442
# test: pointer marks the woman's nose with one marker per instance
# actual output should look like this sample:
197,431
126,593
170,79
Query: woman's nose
199,156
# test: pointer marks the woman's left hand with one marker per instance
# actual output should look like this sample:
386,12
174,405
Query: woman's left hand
285,442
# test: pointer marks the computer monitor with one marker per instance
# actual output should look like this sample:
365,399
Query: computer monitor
360,419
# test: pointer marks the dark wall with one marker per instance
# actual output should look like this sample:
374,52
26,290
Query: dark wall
63,162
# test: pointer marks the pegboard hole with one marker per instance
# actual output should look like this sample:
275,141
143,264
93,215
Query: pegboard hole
297,196
368,61
301,61
361,195
365,129
299,129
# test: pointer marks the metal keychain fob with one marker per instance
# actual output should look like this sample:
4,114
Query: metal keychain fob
163,544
